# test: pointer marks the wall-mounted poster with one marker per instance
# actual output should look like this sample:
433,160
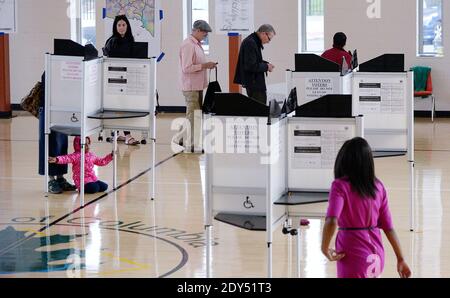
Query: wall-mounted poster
8,16
235,16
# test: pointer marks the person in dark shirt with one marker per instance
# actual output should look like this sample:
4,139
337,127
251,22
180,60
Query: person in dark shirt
57,144
336,53
251,68
120,45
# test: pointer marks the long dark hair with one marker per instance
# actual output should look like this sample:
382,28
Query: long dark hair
129,34
355,163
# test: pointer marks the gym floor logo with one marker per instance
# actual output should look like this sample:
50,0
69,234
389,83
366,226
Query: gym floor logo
90,246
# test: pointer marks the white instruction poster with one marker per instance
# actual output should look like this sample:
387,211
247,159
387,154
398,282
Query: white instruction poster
71,71
317,87
8,16
241,137
93,74
235,16
386,96
316,146
127,79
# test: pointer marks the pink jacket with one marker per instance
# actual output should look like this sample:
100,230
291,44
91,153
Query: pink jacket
90,160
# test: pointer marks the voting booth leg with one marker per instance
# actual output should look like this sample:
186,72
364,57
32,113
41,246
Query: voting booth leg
413,252
46,180
412,201
269,259
115,160
411,153
153,168
208,205
208,231
298,253
153,137
155,243
269,206
83,156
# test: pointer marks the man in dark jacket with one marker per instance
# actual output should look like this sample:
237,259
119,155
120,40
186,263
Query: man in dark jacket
251,67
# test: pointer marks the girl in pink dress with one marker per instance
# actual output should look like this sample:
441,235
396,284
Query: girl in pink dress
358,205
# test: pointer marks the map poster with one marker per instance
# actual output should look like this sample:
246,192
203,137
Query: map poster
144,19
8,16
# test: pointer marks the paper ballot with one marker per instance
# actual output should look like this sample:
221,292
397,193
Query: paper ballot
385,96
316,146
127,80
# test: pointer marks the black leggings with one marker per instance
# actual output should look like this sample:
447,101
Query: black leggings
94,187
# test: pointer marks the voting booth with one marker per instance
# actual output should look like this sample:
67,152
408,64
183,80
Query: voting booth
382,91
315,77
284,160
87,95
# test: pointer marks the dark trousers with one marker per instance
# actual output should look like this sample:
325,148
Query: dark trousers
57,145
258,95
94,187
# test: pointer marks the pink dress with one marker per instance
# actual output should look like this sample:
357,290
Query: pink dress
360,221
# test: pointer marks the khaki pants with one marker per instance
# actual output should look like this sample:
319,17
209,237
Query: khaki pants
192,138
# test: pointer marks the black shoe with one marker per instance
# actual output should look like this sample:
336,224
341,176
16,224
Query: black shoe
65,186
54,187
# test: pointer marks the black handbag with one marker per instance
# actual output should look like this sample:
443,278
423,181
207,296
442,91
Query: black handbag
213,87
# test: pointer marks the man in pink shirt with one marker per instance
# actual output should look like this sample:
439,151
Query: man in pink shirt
193,81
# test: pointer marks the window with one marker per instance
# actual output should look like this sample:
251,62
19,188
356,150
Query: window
311,26
198,10
430,28
83,14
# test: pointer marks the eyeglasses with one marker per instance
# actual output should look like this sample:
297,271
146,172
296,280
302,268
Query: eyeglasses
268,36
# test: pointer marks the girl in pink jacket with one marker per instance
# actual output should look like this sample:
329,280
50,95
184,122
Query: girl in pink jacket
91,183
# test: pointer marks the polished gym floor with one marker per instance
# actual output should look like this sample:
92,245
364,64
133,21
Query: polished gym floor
123,233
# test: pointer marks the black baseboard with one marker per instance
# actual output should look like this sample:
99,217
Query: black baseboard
173,109
16,107
5,115
427,114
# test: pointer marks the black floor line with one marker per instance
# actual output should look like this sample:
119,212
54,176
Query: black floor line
18,243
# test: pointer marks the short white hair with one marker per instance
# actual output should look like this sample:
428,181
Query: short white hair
267,28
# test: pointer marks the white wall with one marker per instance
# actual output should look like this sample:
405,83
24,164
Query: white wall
39,23
394,32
